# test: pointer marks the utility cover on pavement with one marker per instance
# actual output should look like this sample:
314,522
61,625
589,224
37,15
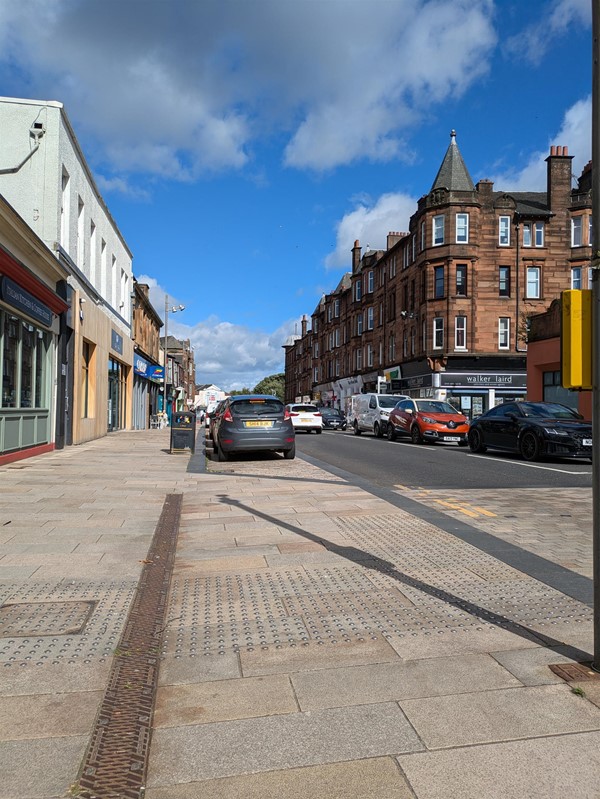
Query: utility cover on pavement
44,618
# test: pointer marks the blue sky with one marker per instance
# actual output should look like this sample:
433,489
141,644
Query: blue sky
243,145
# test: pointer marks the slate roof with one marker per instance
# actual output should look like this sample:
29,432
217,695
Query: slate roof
529,203
453,174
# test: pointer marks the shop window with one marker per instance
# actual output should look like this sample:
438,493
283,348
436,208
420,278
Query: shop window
27,366
42,343
9,361
86,379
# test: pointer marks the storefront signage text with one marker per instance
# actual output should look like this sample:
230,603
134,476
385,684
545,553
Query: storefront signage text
116,342
23,301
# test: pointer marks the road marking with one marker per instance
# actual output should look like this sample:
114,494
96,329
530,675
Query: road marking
531,465
459,508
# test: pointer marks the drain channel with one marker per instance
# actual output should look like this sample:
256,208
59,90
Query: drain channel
115,763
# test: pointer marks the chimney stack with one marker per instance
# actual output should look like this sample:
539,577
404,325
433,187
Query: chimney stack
356,251
559,178
304,323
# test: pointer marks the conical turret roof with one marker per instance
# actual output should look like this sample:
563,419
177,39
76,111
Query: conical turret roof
453,174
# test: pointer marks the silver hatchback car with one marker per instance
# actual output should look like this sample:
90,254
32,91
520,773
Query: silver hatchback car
251,423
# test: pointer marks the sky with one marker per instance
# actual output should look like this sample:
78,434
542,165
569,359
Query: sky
242,146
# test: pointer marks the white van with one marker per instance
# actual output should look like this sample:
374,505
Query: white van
370,412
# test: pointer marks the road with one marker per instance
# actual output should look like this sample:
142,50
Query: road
392,464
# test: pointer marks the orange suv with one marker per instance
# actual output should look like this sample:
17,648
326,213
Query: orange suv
426,420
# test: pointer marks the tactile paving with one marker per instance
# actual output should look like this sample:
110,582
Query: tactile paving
402,577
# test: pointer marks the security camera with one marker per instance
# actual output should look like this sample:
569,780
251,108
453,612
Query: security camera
82,299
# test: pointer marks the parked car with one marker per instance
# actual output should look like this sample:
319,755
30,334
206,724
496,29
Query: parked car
212,419
305,417
209,411
333,419
427,420
251,423
371,412
533,429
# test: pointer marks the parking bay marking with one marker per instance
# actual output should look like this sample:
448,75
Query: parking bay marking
531,465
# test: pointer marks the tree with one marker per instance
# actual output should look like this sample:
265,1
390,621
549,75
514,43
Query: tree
240,391
274,384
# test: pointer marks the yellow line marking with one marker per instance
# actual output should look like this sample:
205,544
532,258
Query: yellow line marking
457,507
484,511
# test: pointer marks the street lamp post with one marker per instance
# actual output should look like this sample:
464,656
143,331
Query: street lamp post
173,309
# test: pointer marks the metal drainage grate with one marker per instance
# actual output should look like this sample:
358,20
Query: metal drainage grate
116,762
574,672
44,618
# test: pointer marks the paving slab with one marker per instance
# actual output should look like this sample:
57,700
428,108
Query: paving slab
40,769
362,779
531,666
53,678
192,753
542,768
502,715
206,702
47,715
201,668
315,656
383,682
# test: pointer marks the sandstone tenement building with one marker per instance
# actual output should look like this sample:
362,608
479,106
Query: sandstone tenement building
443,311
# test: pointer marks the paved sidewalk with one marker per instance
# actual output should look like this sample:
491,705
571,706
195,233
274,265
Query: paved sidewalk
320,640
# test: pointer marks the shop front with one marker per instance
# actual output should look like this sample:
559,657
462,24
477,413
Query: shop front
29,330
147,381
117,386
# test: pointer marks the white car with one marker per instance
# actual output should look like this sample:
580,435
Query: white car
305,417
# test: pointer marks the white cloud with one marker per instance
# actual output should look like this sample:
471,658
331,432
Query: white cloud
229,355
575,133
182,88
370,223
553,21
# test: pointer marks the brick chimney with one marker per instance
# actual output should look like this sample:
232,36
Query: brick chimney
356,251
304,325
393,237
559,178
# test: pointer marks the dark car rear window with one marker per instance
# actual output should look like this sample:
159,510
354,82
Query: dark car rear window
256,407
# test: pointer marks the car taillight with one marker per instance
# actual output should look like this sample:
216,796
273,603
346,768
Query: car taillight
227,417
317,414
288,414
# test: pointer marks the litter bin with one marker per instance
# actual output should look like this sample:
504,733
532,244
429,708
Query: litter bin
183,431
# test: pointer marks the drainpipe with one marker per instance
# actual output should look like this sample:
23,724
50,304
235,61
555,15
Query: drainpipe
517,288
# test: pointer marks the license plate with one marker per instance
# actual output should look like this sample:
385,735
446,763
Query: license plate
258,423
587,442
306,420
451,438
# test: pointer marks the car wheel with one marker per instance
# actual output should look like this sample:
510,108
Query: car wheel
476,441
221,455
318,431
529,447
415,435
377,431
357,432
391,433
290,454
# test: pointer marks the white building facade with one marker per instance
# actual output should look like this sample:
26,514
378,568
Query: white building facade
45,177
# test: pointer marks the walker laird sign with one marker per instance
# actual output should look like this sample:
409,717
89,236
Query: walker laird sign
491,380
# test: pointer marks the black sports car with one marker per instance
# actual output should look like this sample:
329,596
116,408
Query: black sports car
333,419
533,429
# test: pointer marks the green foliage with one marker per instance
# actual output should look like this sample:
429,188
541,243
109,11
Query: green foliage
239,392
274,384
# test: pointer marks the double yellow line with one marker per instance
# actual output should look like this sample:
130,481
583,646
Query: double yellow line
472,511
